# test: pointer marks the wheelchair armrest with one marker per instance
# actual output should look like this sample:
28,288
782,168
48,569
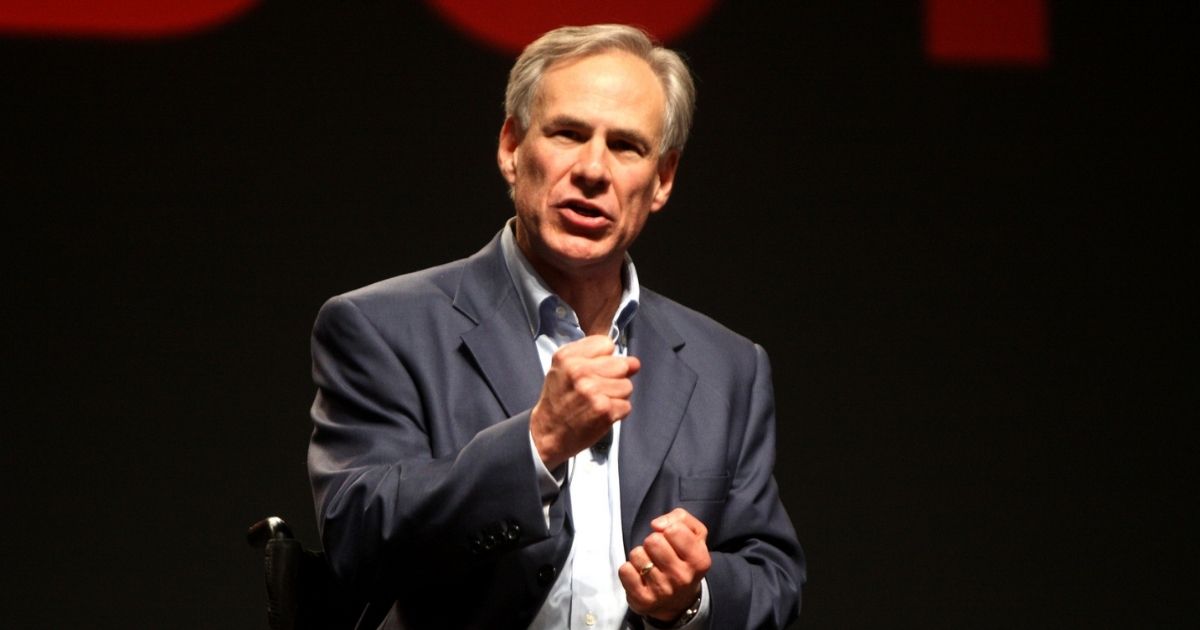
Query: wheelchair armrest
270,528
302,593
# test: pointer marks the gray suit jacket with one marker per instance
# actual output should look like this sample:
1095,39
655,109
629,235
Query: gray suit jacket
420,462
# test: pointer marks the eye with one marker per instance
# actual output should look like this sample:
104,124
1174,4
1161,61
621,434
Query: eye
626,146
567,134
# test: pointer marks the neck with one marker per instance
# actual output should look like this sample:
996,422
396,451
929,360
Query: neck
593,293
594,300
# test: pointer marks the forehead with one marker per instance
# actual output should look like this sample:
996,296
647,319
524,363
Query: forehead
612,86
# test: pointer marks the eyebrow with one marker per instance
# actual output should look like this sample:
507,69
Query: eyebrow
619,132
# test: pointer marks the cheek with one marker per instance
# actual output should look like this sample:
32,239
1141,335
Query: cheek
525,161
536,164
528,180
642,192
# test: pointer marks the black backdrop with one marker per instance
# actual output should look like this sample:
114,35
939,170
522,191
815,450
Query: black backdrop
971,282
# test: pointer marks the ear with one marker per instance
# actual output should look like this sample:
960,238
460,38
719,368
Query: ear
667,165
506,154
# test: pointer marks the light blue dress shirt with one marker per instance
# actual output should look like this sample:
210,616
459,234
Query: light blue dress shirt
587,594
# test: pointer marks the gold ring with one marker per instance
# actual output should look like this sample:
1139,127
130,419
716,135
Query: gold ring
646,567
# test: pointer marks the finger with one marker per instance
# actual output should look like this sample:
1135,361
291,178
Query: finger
600,411
636,593
640,559
639,594
590,346
601,386
682,517
636,579
576,372
620,409
634,365
690,548
661,578
660,552
668,578
609,366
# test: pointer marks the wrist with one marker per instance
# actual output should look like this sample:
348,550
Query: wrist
542,442
682,620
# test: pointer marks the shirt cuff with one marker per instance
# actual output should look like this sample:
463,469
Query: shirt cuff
549,484
700,621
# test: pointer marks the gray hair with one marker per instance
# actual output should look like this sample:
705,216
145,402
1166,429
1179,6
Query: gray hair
570,42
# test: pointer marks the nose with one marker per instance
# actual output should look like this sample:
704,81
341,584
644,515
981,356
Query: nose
590,172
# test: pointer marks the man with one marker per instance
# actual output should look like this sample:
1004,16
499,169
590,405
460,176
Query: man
529,439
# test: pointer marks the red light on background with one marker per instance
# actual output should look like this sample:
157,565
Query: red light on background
116,18
512,24
987,32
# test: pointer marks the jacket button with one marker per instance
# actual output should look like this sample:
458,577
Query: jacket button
545,575
489,542
513,532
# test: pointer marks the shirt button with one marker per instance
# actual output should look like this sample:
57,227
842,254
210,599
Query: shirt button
560,311
589,619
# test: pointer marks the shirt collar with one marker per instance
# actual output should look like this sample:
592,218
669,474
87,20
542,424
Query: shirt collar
540,303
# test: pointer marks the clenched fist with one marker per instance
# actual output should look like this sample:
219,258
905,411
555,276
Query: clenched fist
586,390
663,574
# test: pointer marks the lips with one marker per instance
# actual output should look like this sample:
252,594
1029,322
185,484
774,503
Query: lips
583,214
584,208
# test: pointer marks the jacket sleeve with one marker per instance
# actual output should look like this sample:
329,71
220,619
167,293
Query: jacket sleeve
380,493
758,566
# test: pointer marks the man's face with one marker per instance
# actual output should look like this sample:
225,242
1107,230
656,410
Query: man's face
587,173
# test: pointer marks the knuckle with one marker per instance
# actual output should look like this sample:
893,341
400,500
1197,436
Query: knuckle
574,370
561,356
686,575
599,405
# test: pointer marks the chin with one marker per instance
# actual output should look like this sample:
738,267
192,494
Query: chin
584,250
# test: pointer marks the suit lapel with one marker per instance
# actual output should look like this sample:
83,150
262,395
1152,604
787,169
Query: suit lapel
500,343
661,391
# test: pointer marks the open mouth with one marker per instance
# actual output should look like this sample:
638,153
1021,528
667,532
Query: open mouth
583,209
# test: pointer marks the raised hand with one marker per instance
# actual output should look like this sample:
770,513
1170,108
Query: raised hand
586,390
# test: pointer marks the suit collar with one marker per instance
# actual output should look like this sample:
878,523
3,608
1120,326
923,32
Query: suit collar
500,343
541,303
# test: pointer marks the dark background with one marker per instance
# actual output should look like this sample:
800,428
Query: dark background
971,281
